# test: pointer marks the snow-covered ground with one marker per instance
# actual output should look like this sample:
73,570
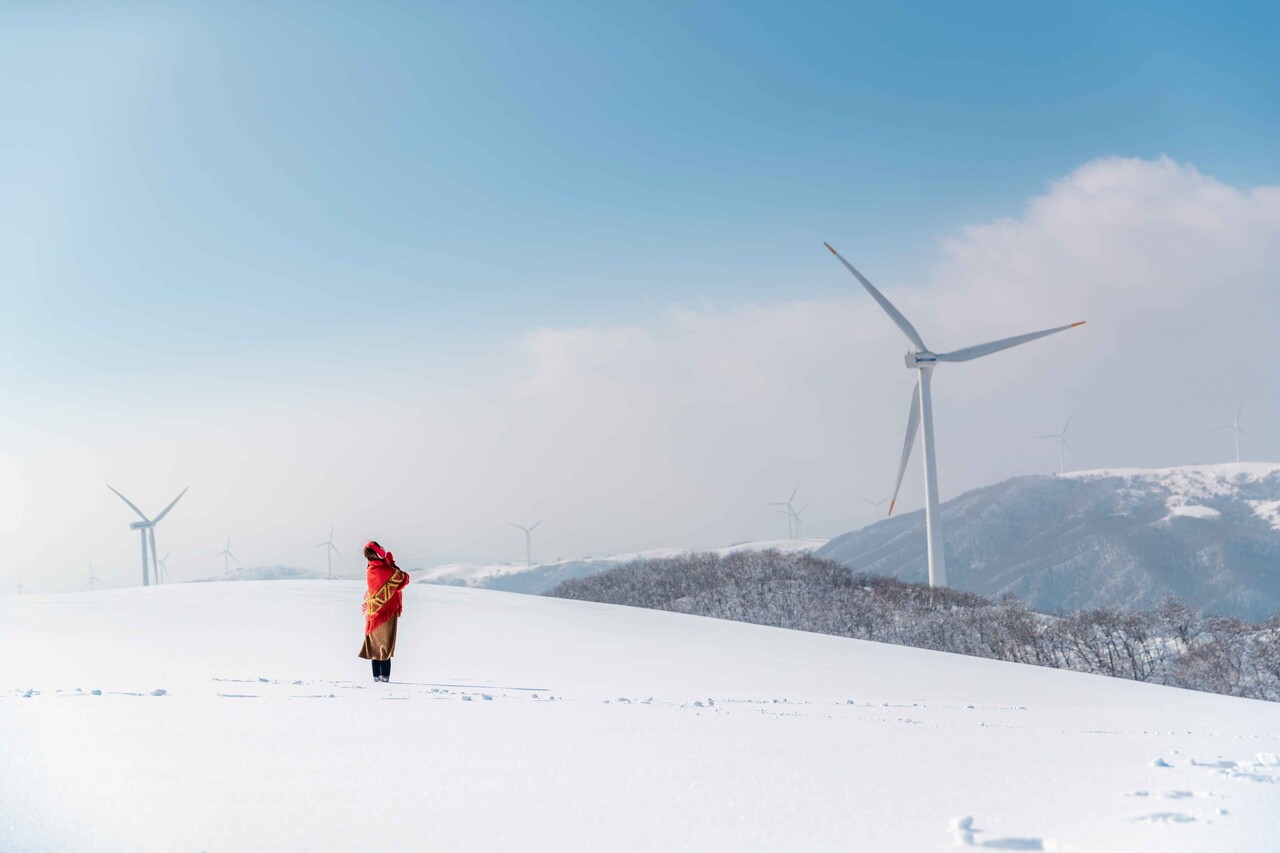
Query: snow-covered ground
236,716
482,574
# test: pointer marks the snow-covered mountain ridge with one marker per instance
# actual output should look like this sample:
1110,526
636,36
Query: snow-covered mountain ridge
540,577
1209,534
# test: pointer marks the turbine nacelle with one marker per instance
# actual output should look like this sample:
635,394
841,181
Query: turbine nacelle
920,360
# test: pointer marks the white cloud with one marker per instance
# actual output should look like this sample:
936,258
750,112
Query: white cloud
679,431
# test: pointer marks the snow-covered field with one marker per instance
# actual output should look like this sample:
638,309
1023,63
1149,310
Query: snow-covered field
236,716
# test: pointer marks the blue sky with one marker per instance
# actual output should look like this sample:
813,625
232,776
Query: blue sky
248,204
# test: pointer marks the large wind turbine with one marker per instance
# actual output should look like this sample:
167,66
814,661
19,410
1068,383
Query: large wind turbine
147,528
1235,427
1063,447
227,557
528,539
924,360
22,590
330,549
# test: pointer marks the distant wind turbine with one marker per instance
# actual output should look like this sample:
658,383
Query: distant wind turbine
1235,427
1063,446
528,539
94,579
330,549
22,590
162,567
227,557
877,504
147,528
923,360
793,517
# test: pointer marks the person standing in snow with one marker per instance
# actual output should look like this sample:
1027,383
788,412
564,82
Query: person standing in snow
383,603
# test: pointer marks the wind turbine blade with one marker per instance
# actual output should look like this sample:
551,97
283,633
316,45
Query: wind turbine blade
1245,433
130,503
535,527
517,527
170,506
1220,429
1239,410
801,509
1068,424
335,549
793,493
913,423
894,314
970,353
1068,446
1055,435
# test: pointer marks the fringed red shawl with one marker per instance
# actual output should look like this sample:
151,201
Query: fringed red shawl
384,598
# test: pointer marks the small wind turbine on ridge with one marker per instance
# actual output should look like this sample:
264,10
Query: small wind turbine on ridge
924,361
528,540
22,590
227,557
793,517
1063,447
877,504
1235,427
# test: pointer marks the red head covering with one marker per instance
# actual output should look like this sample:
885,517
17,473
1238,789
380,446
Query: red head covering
385,582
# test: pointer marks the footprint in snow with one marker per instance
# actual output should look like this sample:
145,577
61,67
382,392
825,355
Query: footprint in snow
1166,817
966,836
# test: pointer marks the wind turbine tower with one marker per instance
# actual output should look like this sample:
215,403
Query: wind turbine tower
147,529
1063,446
330,550
1235,427
923,360
528,540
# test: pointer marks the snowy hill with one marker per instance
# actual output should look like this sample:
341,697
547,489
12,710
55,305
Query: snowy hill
1126,537
267,573
235,716
538,578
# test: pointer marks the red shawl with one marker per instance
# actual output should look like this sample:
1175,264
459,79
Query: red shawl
386,582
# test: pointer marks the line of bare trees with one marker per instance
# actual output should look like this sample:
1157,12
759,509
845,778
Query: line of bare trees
1171,644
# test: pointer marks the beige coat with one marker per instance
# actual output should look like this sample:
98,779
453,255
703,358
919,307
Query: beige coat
381,644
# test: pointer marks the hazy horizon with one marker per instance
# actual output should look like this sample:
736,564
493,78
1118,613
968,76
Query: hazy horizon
422,273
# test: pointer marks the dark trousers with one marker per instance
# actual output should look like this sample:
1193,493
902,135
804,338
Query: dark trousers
381,667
